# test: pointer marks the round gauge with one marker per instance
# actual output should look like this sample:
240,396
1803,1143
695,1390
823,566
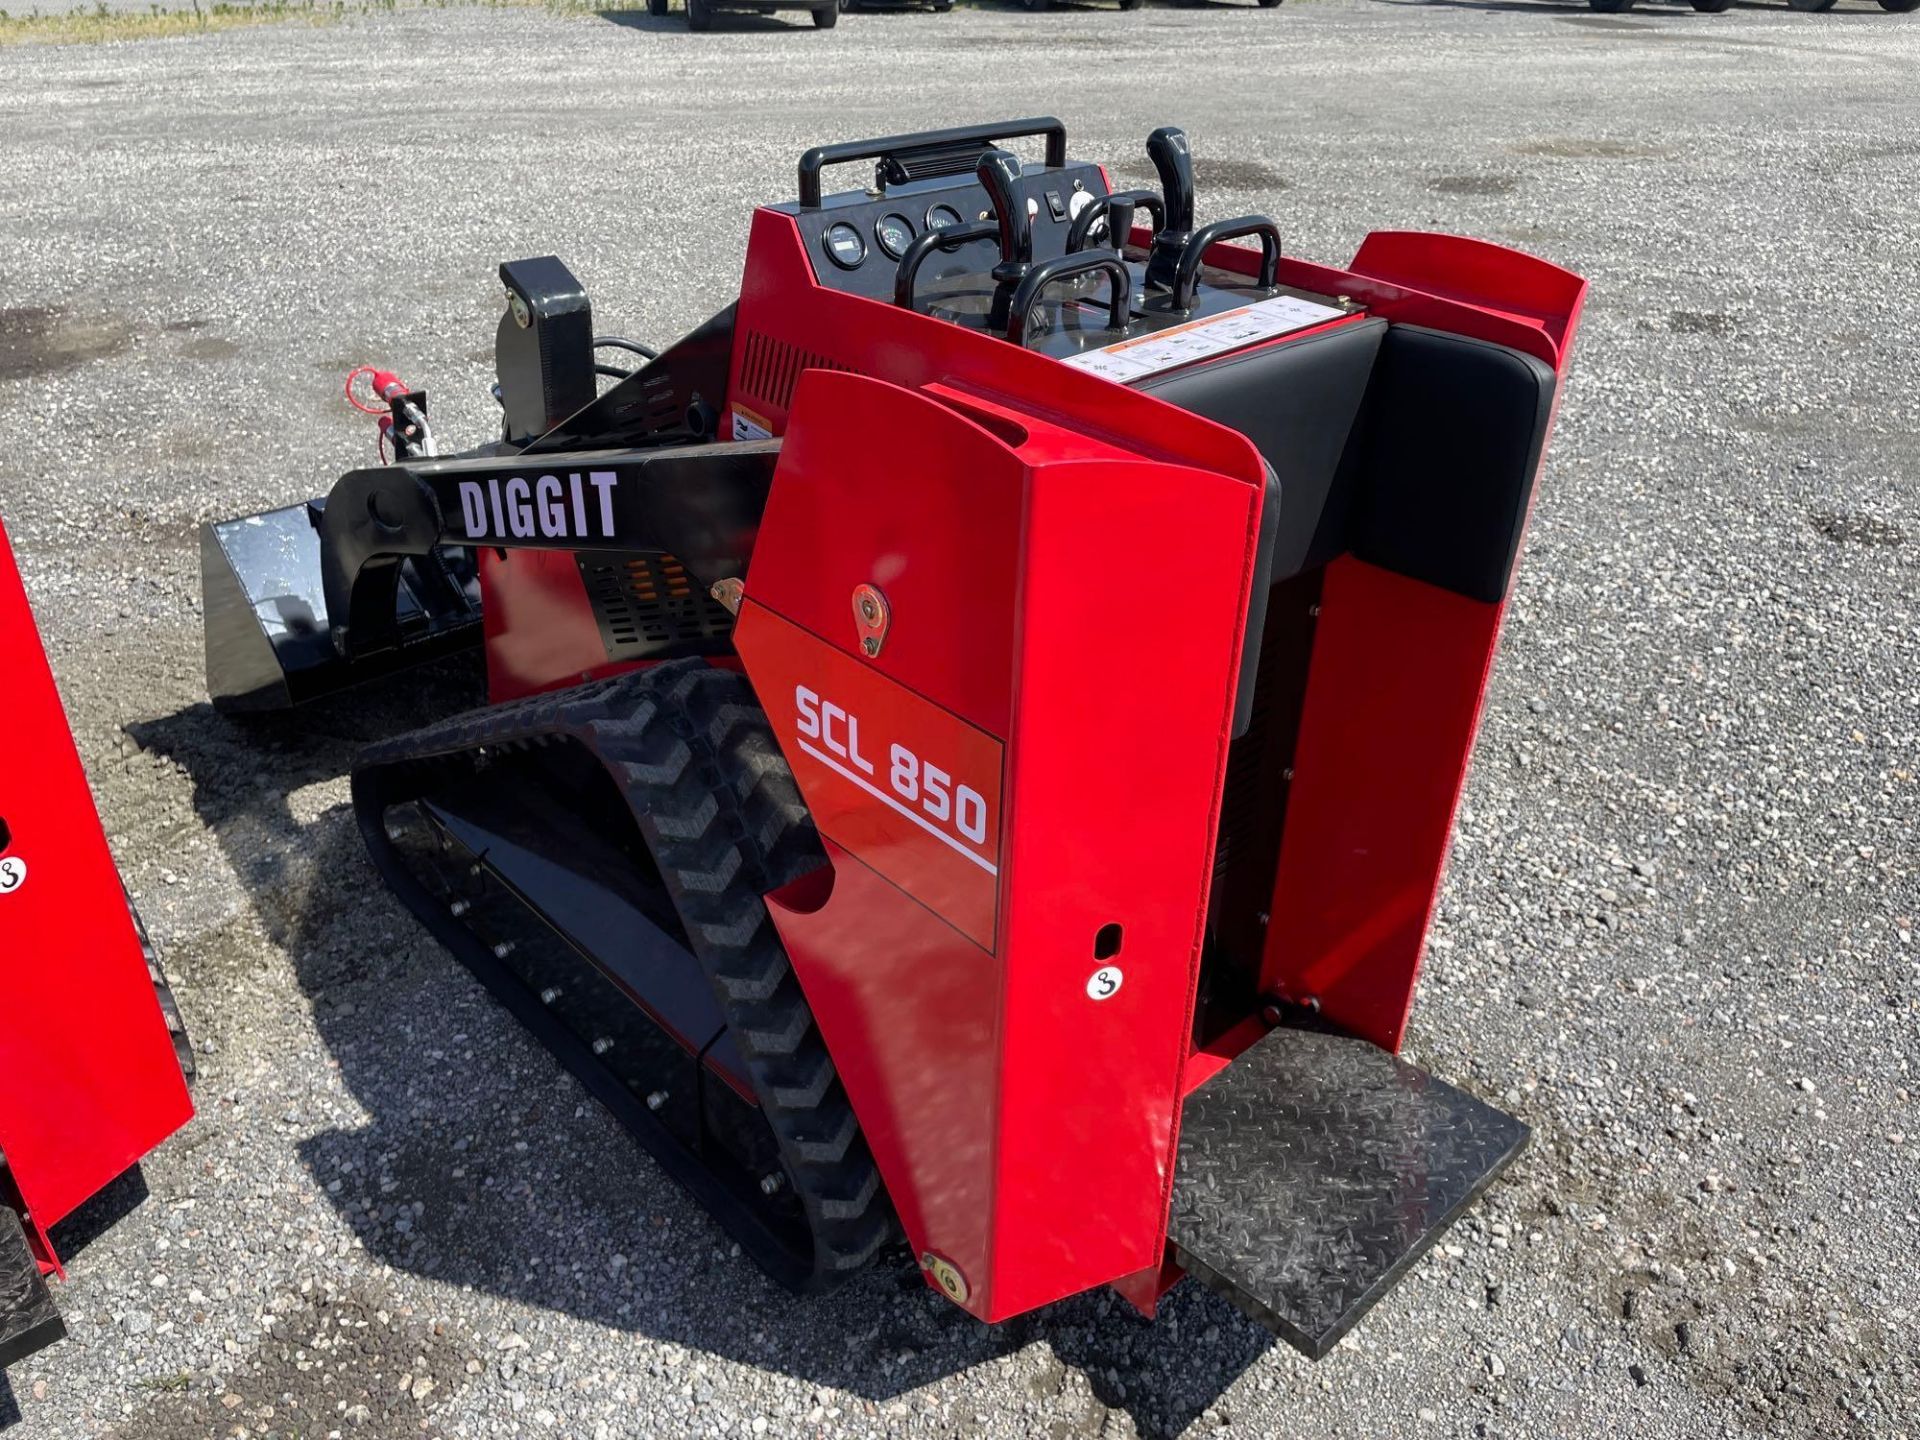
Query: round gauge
942,217
843,245
894,233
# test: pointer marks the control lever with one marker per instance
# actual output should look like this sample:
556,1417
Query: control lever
1081,231
1186,278
1167,148
1065,267
999,174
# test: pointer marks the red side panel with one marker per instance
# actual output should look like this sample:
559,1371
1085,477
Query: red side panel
88,1080
1393,699
1065,624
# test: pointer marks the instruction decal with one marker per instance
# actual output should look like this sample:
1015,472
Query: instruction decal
1131,360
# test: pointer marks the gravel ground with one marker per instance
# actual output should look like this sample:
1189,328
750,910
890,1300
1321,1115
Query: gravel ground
1676,935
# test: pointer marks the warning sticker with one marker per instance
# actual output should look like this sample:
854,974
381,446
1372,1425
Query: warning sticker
749,426
1198,339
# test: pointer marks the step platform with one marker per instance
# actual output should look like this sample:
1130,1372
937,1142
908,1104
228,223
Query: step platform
1315,1169
28,1321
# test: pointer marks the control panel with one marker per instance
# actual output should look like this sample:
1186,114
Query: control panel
955,227
857,239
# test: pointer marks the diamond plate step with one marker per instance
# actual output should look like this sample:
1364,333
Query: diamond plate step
1315,1169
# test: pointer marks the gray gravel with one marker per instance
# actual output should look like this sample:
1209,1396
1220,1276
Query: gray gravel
1677,935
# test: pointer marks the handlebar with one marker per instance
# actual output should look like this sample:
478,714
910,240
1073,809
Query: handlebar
924,244
928,143
1063,267
1186,276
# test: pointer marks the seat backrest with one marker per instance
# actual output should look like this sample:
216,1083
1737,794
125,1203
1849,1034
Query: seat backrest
1447,454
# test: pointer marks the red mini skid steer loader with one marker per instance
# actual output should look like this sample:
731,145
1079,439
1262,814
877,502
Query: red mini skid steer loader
975,726
93,1058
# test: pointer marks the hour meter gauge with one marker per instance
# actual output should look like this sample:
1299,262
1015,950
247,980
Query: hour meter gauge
844,246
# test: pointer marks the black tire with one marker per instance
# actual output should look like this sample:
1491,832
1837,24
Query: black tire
941,7
1610,7
1268,4
1900,7
1811,7
699,16
1037,5
827,16
1129,4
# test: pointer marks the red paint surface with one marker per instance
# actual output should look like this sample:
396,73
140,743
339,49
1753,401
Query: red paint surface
88,1079
1393,701
1397,680
1025,1131
1444,282
839,720
539,625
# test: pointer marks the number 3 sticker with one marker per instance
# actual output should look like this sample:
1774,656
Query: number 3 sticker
1104,983
13,874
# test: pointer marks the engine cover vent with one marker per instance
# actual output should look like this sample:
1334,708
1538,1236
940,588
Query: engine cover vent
770,368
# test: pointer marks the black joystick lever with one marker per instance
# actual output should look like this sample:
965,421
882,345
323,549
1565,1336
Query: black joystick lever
1167,148
999,174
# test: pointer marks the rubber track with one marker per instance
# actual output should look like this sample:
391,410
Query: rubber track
694,757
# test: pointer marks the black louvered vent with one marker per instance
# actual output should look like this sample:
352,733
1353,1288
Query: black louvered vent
769,368
650,608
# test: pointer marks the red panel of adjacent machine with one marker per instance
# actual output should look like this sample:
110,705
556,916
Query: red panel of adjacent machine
90,1082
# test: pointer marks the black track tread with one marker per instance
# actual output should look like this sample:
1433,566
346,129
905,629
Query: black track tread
694,755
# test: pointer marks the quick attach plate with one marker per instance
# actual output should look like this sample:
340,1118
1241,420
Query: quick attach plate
1315,1169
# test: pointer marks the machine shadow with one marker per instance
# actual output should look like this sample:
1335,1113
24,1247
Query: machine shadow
467,1170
